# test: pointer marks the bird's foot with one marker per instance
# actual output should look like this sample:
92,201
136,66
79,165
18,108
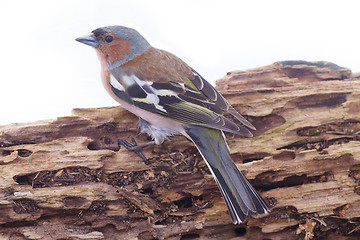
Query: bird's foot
136,148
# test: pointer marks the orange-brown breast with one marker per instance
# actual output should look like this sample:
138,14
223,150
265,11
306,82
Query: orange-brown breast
117,49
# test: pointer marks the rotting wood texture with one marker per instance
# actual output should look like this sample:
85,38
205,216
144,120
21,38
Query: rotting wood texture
67,178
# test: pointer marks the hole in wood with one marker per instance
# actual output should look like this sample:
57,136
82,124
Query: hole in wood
187,202
13,141
24,205
161,222
317,144
62,177
18,224
148,191
246,158
6,152
103,143
25,179
240,231
24,152
190,236
289,181
320,100
93,146
338,128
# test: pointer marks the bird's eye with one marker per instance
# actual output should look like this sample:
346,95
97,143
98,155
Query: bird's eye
109,38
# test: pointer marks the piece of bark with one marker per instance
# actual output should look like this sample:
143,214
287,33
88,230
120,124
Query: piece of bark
67,178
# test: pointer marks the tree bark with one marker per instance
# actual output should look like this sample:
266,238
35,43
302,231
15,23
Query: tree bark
68,179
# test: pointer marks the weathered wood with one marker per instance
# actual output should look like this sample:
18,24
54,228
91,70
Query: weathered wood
67,178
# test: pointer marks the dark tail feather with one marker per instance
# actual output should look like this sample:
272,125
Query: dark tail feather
240,197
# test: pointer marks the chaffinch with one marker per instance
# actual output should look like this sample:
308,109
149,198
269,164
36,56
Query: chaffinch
170,98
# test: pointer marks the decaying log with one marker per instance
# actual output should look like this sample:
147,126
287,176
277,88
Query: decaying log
68,179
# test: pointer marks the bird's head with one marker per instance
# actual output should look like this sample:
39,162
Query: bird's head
116,45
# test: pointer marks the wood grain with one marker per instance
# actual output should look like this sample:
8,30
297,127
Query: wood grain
68,179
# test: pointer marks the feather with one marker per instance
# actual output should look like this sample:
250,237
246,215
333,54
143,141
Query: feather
240,197
178,101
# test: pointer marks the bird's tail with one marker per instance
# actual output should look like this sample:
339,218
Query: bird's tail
240,197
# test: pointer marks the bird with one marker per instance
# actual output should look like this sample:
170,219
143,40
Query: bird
171,98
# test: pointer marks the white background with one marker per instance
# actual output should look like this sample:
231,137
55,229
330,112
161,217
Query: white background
45,72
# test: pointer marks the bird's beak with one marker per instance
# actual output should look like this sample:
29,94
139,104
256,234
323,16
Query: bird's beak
88,40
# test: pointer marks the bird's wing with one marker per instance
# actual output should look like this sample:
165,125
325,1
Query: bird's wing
187,97
211,93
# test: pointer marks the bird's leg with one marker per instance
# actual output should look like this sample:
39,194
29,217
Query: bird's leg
136,148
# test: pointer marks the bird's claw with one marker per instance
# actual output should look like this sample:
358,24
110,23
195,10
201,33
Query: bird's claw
134,148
